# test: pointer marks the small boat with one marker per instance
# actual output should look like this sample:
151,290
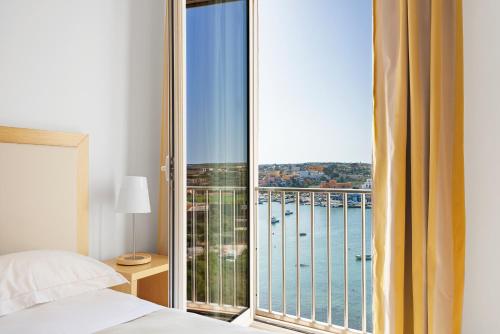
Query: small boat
336,203
302,234
368,257
288,213
304,265
274,220
352,204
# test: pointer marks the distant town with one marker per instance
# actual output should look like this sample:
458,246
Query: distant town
339,175
322,175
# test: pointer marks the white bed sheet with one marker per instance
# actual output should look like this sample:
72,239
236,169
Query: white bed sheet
85,313
171,321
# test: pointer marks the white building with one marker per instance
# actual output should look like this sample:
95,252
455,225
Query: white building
367,184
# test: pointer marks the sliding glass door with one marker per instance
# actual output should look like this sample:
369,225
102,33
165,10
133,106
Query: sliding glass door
217,150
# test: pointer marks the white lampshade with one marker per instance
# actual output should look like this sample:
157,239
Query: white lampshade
134,195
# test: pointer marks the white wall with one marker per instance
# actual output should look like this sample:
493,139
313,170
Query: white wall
482,165
91,66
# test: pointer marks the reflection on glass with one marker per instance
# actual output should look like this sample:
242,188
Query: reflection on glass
217,155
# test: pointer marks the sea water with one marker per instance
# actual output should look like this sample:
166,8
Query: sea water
354,282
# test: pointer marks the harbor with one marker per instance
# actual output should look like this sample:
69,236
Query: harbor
353,258
336,201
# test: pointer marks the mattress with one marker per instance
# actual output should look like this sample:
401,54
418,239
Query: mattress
107,311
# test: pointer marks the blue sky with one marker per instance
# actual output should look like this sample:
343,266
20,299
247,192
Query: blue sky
315,81
217,83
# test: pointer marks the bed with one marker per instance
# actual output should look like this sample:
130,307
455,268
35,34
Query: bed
48,284
107,311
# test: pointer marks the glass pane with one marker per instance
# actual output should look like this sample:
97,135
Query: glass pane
217,156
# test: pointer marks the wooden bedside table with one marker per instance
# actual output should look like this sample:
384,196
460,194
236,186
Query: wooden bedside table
147,281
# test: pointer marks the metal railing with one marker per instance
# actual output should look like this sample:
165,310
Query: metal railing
215,202
311,197
212,196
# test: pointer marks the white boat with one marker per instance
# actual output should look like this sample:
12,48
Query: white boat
336,203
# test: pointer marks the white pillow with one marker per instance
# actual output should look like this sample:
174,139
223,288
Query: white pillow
33,277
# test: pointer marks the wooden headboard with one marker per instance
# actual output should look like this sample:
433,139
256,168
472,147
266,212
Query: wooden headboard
43,190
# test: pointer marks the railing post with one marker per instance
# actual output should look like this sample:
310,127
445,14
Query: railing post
363,262
221,274
270,252
257,250
346,276
283,255
193,244
207,287
234,248
328,259
297,231
313,284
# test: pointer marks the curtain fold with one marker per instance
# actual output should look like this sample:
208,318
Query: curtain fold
419,214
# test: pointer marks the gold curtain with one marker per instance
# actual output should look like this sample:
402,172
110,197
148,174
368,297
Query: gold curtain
419,215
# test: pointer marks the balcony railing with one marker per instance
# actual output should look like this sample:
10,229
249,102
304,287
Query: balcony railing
215,216
302,211
315,246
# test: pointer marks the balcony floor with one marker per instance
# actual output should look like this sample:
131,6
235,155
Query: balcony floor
273,329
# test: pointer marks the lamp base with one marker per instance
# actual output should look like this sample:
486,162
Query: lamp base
130,260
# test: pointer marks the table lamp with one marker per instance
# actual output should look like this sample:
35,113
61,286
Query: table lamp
133,198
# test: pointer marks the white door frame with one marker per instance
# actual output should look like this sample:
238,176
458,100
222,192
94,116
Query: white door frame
247,317
178,16
178,54
253,71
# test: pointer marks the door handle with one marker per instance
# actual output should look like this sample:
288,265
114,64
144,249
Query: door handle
166,168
